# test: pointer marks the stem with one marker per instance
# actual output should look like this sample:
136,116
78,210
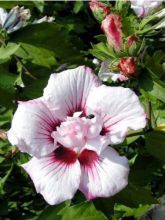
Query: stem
145,21
25,69
149,115
153,119
20,61
139,32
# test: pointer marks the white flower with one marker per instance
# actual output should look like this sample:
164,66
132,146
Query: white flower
44,19
15,19
105,74
144,7
67,132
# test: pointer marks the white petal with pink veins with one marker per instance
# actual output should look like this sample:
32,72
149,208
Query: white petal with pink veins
120,109
97,144
105,175
31,128
95,126
56,180
69,89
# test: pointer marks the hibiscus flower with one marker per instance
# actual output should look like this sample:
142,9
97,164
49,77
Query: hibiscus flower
68,130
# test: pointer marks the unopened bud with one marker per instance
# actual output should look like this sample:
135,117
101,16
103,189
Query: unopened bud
99,9
127,66
111,25
131,39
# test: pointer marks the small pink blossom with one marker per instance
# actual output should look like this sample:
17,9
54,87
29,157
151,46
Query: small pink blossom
111,25
67,132
144,7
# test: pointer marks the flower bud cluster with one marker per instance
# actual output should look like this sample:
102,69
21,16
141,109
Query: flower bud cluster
127,48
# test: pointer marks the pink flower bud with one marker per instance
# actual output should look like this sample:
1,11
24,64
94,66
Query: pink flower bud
99,9
111,25
127,66
131,40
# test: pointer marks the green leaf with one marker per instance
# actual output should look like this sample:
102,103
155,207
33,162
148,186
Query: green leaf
102,52
78,6
4,209
151,88
122,6
82,211
51,36
158,91
52,213
155,143
6,52
5,116
35,89
154,63
126,211
4,179
39,4
133,195
37,55
7,90
11,4
130,140
137,171
128,24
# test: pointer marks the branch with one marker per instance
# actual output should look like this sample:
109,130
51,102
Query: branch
25,69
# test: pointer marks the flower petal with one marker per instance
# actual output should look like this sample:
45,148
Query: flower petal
68,90
3,16
97,144
31,128
120,110
55,179
105,176
143,7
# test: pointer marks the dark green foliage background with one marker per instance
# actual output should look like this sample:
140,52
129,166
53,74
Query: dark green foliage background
29,56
